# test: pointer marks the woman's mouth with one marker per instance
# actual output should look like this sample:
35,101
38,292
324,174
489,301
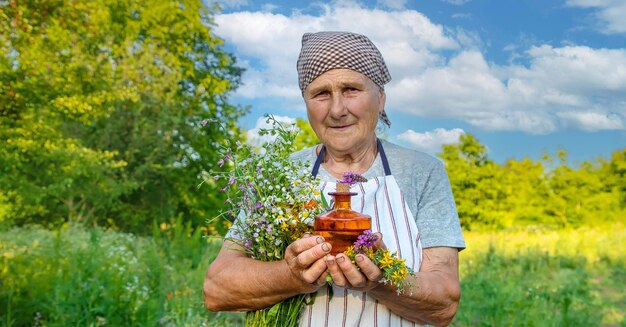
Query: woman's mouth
339,127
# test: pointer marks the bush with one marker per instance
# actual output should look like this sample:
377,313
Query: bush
78,277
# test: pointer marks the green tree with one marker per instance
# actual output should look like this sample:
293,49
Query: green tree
101,104
616,174
582,195
478,184
306,137
527,191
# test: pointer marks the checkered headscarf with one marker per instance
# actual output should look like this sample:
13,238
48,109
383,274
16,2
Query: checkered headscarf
324,51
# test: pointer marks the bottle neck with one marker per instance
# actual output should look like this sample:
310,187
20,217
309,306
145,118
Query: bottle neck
342,201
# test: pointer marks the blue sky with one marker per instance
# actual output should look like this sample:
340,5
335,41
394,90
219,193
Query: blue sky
525,77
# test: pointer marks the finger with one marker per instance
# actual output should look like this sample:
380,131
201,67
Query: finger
308,257
322,279
314,273
379,241
335,271
351,273
368,268
303,244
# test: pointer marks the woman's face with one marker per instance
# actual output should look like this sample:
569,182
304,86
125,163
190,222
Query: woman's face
343,107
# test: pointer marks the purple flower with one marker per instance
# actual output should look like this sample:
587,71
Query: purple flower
216,177
352,178
204,122
247,244
365,241
224,159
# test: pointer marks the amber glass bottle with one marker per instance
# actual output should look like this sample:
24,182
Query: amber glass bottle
341,226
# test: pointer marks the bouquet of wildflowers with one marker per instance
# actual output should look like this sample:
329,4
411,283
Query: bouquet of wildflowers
273,202
395,270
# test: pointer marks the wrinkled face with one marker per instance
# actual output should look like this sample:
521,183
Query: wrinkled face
343,107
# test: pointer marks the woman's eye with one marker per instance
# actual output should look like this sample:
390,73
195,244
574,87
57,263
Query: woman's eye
321,94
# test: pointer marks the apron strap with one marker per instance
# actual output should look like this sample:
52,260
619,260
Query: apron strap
318,162
383,157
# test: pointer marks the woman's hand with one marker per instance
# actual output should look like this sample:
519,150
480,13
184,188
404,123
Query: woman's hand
346,274
305,259
236,282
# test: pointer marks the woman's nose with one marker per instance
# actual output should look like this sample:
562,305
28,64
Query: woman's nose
338,107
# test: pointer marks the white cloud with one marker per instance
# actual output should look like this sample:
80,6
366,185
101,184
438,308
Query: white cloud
252,136
439,71
431,142
269,7
610,14
392,4
530,99
272,42
591,121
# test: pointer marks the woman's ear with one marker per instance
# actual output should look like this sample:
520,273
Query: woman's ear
381,101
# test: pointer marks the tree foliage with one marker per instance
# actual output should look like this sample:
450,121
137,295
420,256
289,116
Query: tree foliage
101,104
100,110
521,193
306,137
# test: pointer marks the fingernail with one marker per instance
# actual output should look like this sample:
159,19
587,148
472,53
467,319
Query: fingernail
329,260
325,247
359,257
319,240
340,258
306,235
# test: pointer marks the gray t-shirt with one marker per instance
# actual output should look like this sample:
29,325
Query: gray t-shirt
426,188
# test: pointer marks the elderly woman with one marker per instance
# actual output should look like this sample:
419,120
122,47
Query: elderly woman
407,194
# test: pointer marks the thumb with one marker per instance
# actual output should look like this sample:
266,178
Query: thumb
379,241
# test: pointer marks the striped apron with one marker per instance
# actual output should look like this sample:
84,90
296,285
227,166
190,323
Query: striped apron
381,198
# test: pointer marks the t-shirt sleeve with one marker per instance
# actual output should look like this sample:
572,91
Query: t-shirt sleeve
437,218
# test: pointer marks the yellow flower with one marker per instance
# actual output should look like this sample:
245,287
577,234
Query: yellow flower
284,226
399,275
370,253
386,261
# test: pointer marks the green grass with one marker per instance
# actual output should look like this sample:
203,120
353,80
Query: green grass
91,277
79,276
544,278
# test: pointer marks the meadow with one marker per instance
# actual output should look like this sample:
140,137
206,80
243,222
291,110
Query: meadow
76,276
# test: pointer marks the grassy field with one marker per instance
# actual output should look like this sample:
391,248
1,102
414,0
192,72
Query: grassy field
91,277
573,277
